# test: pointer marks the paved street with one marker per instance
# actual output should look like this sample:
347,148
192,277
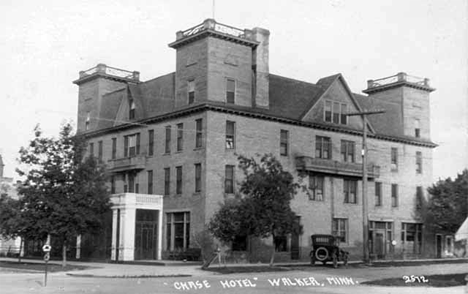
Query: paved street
304,280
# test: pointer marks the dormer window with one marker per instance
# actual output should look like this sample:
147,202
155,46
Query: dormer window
191,91
88,118
335,112
131,113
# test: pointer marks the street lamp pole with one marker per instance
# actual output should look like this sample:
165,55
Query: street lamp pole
365,213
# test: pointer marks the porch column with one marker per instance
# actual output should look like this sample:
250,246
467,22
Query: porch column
128,233
160,228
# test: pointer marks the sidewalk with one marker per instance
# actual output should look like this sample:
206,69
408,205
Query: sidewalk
180,269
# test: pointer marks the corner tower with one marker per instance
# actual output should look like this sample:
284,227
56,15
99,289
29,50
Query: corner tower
411,94
220,63
93,84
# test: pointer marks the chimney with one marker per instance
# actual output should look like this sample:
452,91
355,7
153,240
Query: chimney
261,68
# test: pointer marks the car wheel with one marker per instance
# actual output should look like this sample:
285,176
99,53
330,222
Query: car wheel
321,254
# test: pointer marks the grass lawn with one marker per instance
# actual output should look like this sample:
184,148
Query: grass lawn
30,266
434,281
245,269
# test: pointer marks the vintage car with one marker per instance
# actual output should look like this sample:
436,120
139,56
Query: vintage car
326,248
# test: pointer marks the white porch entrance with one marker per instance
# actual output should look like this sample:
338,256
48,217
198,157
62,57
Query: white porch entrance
137,221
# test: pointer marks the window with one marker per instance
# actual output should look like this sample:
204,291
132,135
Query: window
197,177
199,133
177,230
284,138
230,134
130,183
178,180
419,197
132,145
151,142
316,187
100,150
347,150
131,113
239,243
114,148
191,91
168,140
180,137
230,91
418,162
112,180
150,182
229,179
349,191
88,118
335,112
323,147
378,194
167,181
394,159
91,149
340,229
411,237
417,130
394,195
281,243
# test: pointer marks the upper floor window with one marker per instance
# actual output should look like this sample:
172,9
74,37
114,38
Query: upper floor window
91,149
350,191
340,229
114,148
197,177
394,159
229,179
178,180
284,142
168,140
132,145
323,147
150,182
394,195
316,187
417,128
199,133
131,112
335,112
88,118
151,142
419,167
230,134
347,150
112,180
230,90
191,91
180,137
167,181
378,194
419,197
100,150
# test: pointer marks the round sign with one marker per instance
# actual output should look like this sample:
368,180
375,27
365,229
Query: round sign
46,248
47,256
394,242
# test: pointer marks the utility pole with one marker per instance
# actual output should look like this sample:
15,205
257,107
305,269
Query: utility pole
365,213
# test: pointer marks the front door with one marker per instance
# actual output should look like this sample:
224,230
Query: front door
439,246
379,244
146,234
295,248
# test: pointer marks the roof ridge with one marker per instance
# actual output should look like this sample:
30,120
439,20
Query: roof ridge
291,79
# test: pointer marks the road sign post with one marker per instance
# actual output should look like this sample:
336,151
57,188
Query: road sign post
46,248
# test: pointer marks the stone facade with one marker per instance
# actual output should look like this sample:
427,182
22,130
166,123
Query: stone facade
194,136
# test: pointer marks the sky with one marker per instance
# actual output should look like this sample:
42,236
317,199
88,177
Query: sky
44,44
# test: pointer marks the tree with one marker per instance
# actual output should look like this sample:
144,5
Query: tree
63,195
447,206
264,210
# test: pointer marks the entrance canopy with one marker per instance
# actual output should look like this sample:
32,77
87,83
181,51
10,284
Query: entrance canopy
462,233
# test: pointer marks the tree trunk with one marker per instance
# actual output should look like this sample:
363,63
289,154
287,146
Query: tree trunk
272,258
21,249
64,254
